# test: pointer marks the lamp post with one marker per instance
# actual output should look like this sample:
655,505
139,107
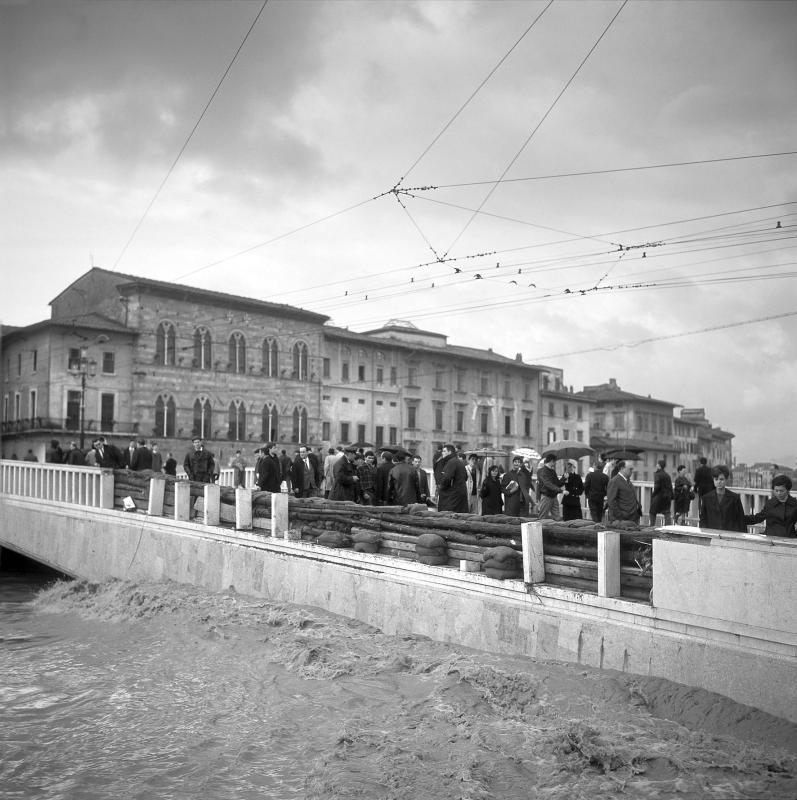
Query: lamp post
86,368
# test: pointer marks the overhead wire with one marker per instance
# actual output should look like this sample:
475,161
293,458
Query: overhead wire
472,95
535,129
611,171
188,139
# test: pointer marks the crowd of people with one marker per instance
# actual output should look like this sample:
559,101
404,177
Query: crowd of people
138,455
463,482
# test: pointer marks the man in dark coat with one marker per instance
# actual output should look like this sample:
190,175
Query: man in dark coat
621,496
305,475
549,485
661,499
54,454
423,479
403,481
453,482
268,471
108,455
595,485
704,480
199,463
74,456
141,457
722,509
346,479
383,479
516,486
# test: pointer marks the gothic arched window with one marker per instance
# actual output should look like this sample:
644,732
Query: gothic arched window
203,418
270,358
237,356
300,359
165,344
165,415
202,349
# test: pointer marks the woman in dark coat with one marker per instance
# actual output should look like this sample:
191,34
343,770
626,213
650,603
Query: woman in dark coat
683,494
574,488
490,493
452,484
722,509
779,511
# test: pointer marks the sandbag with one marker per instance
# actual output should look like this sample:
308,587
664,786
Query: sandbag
366,547
334,539
502,574
430,551
435,561
431,540
372,537
501,555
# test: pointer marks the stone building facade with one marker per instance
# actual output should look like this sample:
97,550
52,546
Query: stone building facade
140,357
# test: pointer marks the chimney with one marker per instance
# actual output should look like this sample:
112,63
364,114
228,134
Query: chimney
613,383
518,356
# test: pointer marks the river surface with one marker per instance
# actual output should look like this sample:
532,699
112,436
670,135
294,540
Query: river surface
131,690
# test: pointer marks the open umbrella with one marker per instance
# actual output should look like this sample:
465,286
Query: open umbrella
364,445
527,452
568,449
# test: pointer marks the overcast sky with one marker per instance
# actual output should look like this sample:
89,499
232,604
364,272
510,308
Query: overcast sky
478,116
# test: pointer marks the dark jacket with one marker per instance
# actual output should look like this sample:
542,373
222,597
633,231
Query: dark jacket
200,466
109,457
704,482
75,458
302,483
549,482
453,481
622,500
423,485
403,482
595,485
345,487
780,517
492,497
269,473
517,503
141,458
383,482
575,488
724,515
661,499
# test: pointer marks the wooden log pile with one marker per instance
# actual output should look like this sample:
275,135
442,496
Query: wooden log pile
571,549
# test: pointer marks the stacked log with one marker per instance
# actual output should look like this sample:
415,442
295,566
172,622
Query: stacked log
571,549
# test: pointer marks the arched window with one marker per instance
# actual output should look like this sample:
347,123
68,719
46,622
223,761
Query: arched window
202,350
236,430
165,414
300,361
165,344
269,431
299,424
237,357
270,358
203,418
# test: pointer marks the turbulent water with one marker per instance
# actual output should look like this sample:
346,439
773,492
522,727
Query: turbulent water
130,690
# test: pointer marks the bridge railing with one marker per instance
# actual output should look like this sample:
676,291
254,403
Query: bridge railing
86,486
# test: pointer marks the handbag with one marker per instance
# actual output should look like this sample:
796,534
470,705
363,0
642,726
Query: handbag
512,488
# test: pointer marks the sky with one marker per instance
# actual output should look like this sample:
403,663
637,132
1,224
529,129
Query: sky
510,174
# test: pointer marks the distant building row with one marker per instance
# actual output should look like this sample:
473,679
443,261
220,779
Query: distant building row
128,356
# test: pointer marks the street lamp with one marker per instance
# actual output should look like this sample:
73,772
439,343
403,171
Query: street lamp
87,368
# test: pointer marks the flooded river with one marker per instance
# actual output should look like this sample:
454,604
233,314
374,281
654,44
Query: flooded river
130,690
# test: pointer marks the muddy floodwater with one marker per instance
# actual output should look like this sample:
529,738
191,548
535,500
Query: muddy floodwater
158,690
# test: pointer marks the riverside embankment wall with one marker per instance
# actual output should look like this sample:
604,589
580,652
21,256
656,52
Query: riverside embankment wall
714,622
